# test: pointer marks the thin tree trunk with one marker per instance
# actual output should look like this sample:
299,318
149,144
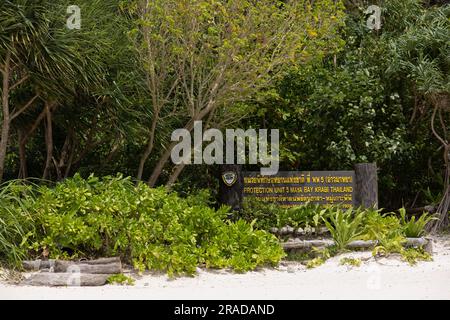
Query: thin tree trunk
444,206
179,168
59,165
160,165
48,140
165,157
23,140
175,174
23,171
6,116
70,161
149,148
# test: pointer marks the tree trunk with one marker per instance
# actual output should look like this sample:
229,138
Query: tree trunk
175,174
62,163
149,148
444,205
23,171
23,140
6,116
165,157
48,141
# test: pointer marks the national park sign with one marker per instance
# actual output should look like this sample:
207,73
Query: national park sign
292,188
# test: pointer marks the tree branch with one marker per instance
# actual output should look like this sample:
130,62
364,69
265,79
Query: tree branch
18,83
25,107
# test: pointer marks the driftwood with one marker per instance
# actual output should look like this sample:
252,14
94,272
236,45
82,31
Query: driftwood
99,261
307,244
37,265
66,280
360,244
68,266
285,231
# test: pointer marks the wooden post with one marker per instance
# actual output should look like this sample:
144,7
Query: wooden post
366,185
231,184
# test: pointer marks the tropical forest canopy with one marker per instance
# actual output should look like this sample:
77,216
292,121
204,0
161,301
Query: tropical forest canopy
106,97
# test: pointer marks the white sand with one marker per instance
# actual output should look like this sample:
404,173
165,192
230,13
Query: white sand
383,279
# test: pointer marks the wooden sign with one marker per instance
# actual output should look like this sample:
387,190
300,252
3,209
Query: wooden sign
292,188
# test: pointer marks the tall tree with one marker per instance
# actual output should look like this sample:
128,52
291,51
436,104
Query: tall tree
422,54
203,55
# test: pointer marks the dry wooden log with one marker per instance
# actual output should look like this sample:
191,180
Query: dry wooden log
360,244
37,265
66,280
289,230
68,266
429,246
99,261
307,244
415,242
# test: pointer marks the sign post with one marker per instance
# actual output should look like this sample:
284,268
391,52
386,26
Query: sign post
231,186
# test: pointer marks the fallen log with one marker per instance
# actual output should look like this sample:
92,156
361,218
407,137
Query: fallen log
307,244
37,265
360,244
66,280
80,267
100,261
298,232
415,242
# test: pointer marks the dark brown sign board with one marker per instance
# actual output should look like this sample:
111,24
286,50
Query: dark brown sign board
292,188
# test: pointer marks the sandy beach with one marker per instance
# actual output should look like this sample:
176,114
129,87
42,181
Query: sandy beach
385,278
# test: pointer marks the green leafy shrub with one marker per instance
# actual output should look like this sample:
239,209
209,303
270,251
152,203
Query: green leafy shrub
378,226
314,263
150,228
16,220
350,262
265,214
412,255
120,279
269,215
345,226
413,228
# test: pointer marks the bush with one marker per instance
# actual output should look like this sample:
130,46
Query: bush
150,228
268,215
16,221
345,226
413,228
378,226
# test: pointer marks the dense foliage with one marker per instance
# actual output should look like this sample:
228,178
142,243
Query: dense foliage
339,92
150,228
345,225
91,102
